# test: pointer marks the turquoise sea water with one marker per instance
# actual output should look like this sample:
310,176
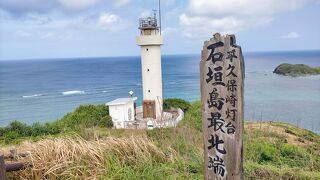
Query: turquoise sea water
44,90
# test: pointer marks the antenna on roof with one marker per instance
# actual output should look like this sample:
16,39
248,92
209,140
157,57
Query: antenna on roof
154,14
160,15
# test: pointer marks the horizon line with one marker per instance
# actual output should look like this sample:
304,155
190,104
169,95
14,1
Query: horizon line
116,56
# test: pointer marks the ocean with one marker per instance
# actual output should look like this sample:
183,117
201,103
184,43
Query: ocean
44,90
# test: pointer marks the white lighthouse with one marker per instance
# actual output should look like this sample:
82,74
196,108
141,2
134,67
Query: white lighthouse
150,40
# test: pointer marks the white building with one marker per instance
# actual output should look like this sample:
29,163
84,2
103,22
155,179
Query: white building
122,111
150,41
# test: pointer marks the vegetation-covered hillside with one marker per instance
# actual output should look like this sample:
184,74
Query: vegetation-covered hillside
85,116
296,70
272,150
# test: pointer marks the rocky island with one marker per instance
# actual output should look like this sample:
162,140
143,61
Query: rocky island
295,70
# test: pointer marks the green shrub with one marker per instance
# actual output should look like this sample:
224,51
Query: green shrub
268,153
106,122
39,129
176,103
294,156
192,118
2,131
20,128
84,116
10,136
288,150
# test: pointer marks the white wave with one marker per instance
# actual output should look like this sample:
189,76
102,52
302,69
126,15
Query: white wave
66,93
31,96
104,91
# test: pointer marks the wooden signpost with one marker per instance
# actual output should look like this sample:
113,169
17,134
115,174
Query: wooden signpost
221,77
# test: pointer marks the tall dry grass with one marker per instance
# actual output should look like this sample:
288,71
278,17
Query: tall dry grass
76,158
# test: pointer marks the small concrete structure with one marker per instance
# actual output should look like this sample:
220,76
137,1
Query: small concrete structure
169,118
122,111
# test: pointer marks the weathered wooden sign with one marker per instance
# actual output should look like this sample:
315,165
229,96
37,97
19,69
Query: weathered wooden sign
222,76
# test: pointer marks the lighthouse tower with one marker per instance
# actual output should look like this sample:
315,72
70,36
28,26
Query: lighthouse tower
150,40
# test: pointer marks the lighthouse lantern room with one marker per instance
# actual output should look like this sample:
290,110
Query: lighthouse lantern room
150,40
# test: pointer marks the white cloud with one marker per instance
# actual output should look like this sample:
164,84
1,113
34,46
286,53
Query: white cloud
77,4
111,22
120,3
291,35
107,19
244,7
204,17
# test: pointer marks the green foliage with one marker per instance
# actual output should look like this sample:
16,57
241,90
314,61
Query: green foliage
254,170
261,151
10,136
20,128
192,118
269,155
290,151
176,103
296,69
294,156
106,122
84,116
267,152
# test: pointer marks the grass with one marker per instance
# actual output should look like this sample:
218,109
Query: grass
272,150
74,157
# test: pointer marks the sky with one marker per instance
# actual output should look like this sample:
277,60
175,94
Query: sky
41,29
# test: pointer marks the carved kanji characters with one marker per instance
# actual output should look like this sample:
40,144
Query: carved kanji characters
231,68
217,164
231,113
216,121
215,100
231,55
214,142
232,100
232,85
215,56
231,129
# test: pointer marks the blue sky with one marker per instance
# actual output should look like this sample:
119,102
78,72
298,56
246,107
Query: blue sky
100,28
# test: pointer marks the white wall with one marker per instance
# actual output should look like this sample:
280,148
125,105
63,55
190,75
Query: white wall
119,114
151,69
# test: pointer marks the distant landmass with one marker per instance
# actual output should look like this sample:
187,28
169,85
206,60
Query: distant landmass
295,70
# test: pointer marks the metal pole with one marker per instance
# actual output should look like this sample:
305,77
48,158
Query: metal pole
160,15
